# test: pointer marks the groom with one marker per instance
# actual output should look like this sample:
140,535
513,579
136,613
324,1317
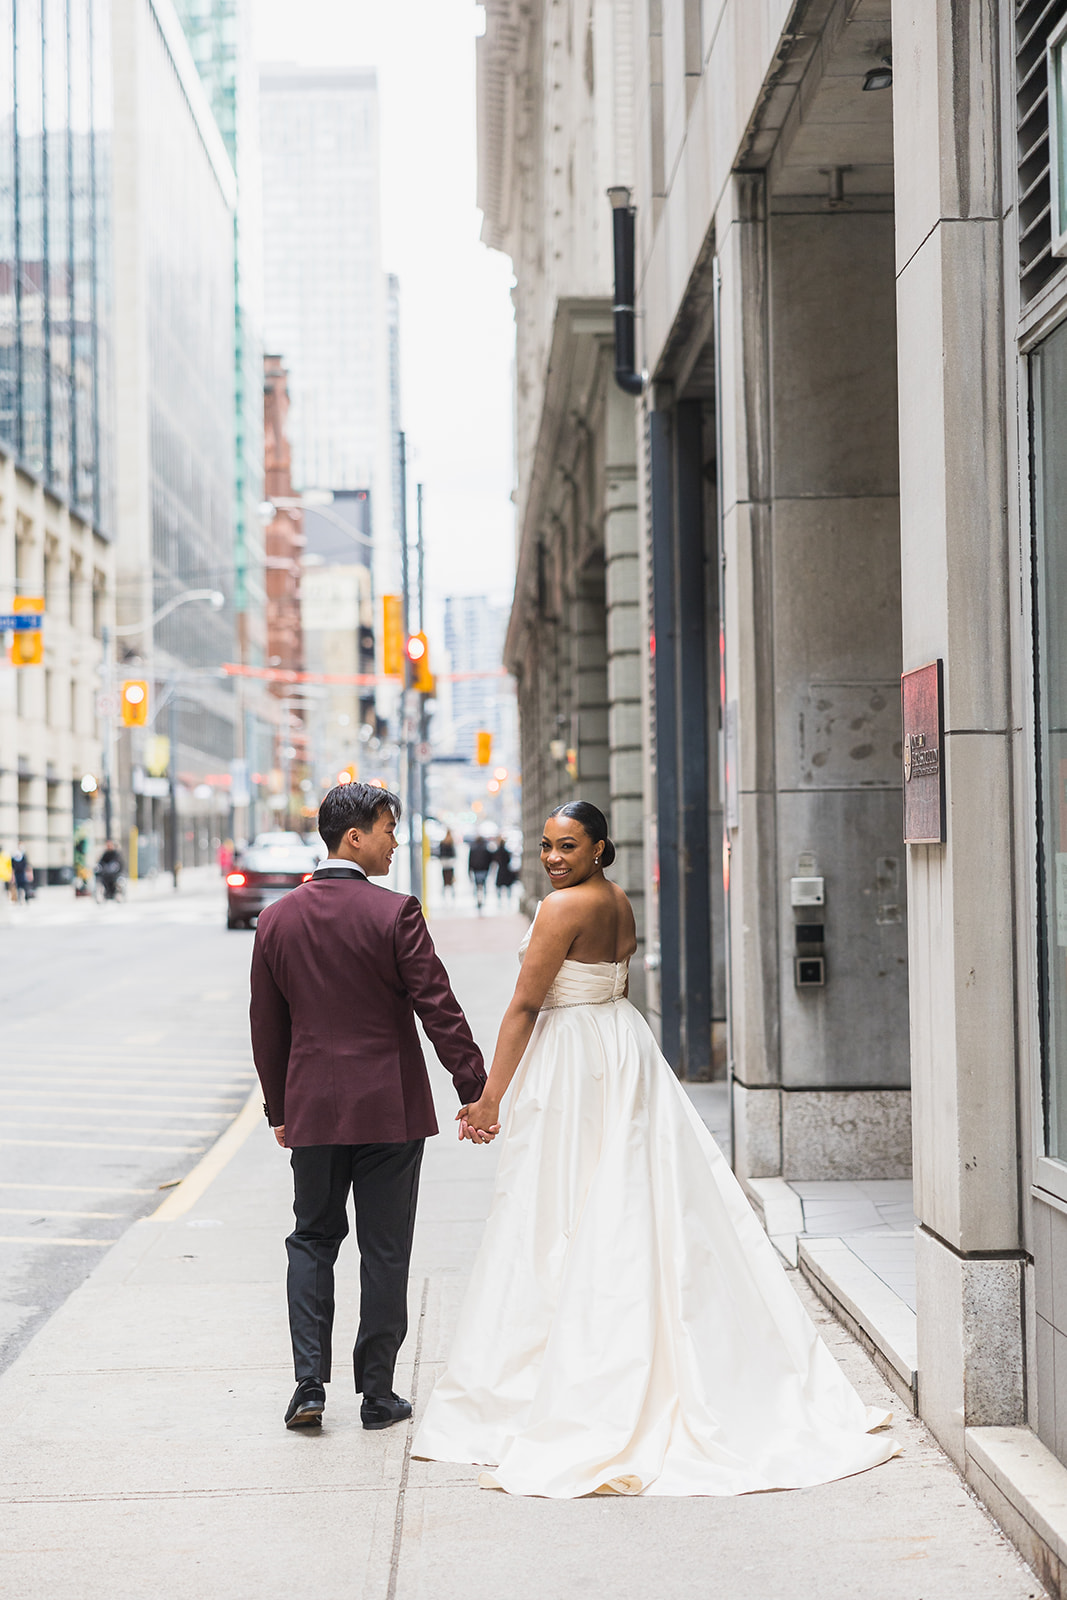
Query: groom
339,970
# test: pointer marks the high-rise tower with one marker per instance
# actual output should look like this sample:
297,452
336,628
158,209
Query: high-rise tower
324,289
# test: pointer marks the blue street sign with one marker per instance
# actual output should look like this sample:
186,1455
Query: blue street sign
20,622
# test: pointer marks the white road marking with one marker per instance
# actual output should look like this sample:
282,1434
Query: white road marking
77,1144
227,1102
119,1127
110,1111
76,1188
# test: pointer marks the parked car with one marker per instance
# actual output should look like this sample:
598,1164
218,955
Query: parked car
272,865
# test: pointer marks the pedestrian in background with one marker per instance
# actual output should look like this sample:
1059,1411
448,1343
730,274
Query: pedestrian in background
7,876
21,874
447,853
505,872
479,861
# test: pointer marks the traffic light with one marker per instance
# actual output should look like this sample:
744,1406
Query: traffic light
484,748
422,678
133,698
27,645
392,636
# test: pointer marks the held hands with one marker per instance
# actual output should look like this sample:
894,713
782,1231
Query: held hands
480,1122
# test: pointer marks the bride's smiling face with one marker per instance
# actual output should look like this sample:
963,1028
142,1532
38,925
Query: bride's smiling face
567,852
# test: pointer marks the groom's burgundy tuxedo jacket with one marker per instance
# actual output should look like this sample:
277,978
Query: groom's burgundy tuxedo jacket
339,970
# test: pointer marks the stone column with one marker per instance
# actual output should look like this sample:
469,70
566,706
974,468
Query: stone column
748,738
812,613
626,646
589,647
954,544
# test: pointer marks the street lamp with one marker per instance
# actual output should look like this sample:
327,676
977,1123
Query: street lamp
215,596
217,600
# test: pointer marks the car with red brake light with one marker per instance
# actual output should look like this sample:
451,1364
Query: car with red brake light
273,864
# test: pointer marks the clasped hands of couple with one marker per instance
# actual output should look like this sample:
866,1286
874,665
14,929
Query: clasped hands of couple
479,1122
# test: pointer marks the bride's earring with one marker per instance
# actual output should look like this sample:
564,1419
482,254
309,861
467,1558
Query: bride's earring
596,861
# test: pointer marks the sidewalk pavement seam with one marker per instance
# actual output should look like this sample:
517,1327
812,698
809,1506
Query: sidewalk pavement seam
401,1494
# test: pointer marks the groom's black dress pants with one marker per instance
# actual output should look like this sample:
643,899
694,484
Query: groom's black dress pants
384,1182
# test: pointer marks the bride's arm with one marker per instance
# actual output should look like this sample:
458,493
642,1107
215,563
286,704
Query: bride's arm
553,934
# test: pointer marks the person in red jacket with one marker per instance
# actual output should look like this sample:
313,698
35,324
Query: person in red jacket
340,969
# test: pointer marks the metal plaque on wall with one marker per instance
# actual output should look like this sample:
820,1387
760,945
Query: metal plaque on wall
922,699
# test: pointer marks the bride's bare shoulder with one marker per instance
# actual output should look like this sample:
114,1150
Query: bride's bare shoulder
622,899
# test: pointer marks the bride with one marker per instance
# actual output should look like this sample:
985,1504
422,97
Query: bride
628,1328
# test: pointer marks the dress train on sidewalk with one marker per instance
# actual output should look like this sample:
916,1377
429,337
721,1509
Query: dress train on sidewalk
628,1327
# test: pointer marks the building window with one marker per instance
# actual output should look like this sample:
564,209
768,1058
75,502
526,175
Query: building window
1048,367
54,241
1039,29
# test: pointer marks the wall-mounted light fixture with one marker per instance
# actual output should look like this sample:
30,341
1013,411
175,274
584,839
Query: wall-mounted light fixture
880,77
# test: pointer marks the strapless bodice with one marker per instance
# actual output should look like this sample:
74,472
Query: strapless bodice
583,983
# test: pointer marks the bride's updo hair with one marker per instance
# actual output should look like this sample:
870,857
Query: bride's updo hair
593,821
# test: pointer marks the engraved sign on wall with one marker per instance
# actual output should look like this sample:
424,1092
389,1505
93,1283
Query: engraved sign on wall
921,697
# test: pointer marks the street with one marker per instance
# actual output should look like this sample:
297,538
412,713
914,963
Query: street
143,1452
125,1055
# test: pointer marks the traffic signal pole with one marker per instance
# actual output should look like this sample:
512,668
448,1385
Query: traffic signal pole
409,727
109,726
174,834
423,768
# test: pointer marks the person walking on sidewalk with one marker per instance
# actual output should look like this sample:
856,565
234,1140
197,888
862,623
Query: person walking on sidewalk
447,853
479,860
22,873
340,969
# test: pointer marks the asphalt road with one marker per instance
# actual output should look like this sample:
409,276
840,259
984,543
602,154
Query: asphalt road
123,1055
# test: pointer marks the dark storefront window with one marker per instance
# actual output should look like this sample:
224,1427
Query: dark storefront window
1049,376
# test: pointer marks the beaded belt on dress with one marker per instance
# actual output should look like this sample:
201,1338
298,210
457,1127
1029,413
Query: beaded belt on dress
572,1005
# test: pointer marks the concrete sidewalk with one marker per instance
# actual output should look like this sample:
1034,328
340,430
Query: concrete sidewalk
143,1455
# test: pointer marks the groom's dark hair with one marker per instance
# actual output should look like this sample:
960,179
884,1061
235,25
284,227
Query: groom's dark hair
354,805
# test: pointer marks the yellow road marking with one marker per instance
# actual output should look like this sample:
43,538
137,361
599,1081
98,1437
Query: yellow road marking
26,1238
188,1192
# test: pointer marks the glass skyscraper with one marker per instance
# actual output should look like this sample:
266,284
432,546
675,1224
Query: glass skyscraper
324,288
55,183
219,35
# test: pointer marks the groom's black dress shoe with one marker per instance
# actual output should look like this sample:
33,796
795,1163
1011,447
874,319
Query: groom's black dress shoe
307,1405
378,1411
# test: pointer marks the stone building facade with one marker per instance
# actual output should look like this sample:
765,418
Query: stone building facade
52,760
285,531
553,129
174,195
851,225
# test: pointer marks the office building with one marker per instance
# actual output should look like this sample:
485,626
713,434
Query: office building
174,201
57,507
324,289
219,36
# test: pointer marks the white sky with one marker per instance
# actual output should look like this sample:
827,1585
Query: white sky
456,327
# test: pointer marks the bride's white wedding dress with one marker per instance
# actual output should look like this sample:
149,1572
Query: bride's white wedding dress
628,1327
